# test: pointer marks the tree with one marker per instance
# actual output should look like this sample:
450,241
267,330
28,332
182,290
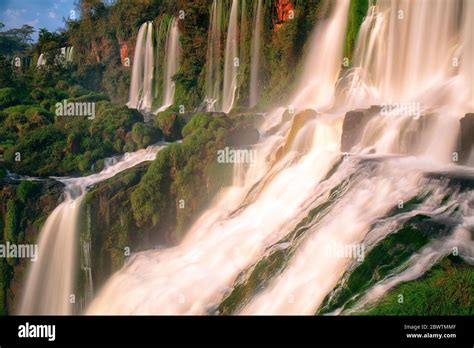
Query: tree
14,41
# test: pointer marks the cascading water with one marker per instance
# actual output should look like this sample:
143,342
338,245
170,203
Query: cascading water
50,280
41,60
148,71
323,69
153,68
213,68
255,54
393,38
141,93
291,236
67,54
232,59
172,64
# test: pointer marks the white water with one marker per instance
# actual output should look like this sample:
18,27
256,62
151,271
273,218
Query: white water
51,277
67,54
141,87
50,280
277,193
172,56
41,60
323,63
413,51
148,71
232,59
256,54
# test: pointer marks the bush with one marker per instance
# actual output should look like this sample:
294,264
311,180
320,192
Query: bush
144,135
8,97
77,91
171,124
40,152
39,116
27,190
12,221
62,85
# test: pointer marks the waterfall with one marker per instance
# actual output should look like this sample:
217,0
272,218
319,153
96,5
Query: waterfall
171,64
41,60
50,280
67,54
155,62
232,59
268,244
213,68
255,54
148,71
393,38
398,60
321,71
138,72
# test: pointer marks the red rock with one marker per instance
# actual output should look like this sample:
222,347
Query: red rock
123,53
283,10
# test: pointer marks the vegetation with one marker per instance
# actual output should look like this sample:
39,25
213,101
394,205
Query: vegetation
446,289
357,12
183,173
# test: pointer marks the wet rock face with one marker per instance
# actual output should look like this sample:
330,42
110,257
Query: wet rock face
466,139
244,137
354,125
171,125
299,122
412,134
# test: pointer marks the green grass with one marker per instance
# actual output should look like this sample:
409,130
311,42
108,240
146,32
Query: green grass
447,289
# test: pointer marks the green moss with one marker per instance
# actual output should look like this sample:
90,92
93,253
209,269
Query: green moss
8,97
185,173
171,124
12,221
4,281
357,12
446,289
27,190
